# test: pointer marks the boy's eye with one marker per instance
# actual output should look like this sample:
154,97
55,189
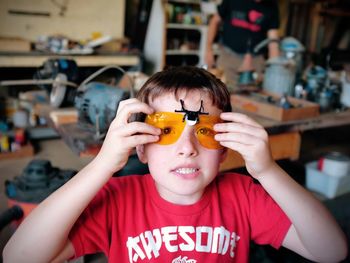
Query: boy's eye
166,130
204,131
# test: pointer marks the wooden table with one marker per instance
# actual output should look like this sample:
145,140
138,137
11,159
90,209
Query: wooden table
284,137
324,120
284,145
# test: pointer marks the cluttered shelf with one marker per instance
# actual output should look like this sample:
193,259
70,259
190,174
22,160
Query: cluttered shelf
36,59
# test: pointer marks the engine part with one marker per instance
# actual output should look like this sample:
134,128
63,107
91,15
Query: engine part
37,181
61,71
97,102
279,76
57,76
282,72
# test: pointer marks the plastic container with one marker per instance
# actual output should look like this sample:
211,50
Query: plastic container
329,186
334,164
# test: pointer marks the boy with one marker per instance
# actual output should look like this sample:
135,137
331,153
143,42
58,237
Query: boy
184,211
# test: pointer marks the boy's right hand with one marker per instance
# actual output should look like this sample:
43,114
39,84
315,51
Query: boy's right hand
123,136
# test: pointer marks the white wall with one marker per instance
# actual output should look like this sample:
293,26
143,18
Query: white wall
82,18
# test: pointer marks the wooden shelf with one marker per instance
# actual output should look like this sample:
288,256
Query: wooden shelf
34,59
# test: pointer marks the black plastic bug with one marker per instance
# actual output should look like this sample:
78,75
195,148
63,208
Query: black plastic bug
191,117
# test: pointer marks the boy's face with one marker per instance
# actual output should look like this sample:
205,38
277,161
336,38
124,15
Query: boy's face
183,169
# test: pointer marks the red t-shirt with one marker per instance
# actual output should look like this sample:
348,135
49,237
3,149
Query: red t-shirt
129,222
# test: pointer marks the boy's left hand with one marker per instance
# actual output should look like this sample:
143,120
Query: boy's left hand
242,134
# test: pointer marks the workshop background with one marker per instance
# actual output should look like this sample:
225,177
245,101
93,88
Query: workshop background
61,59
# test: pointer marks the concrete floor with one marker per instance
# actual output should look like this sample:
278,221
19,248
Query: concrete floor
54,150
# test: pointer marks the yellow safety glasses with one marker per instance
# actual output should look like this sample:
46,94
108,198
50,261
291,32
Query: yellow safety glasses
172,124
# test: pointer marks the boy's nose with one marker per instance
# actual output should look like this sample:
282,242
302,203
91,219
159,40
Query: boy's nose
187,143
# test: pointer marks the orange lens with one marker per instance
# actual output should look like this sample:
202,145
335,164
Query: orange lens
172,125
205,131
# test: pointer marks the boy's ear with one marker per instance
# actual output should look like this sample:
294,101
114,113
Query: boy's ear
140,150
223,155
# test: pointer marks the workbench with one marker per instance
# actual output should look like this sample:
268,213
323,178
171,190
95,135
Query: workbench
284,137
324,120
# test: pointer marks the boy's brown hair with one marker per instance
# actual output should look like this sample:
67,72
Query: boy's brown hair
187,78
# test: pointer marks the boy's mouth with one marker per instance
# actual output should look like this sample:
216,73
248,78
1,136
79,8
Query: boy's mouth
186,170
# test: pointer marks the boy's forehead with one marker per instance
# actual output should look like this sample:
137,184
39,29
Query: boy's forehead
170,102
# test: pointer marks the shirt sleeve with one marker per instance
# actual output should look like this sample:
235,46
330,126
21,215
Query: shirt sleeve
90,233
269,224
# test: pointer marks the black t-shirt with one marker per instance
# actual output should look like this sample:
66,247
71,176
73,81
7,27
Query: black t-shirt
246,22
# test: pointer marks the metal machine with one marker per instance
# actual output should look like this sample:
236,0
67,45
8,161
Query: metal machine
97,102
279,76
291,48
282,72
60,70
96,98
59,77
38,180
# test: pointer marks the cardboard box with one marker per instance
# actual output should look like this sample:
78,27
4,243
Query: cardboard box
259,104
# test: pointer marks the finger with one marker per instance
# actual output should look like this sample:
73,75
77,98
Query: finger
138,128
140,139
236,146
130,108
242,138
129,104
248,152
240,128
243,149
238,117
125,102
